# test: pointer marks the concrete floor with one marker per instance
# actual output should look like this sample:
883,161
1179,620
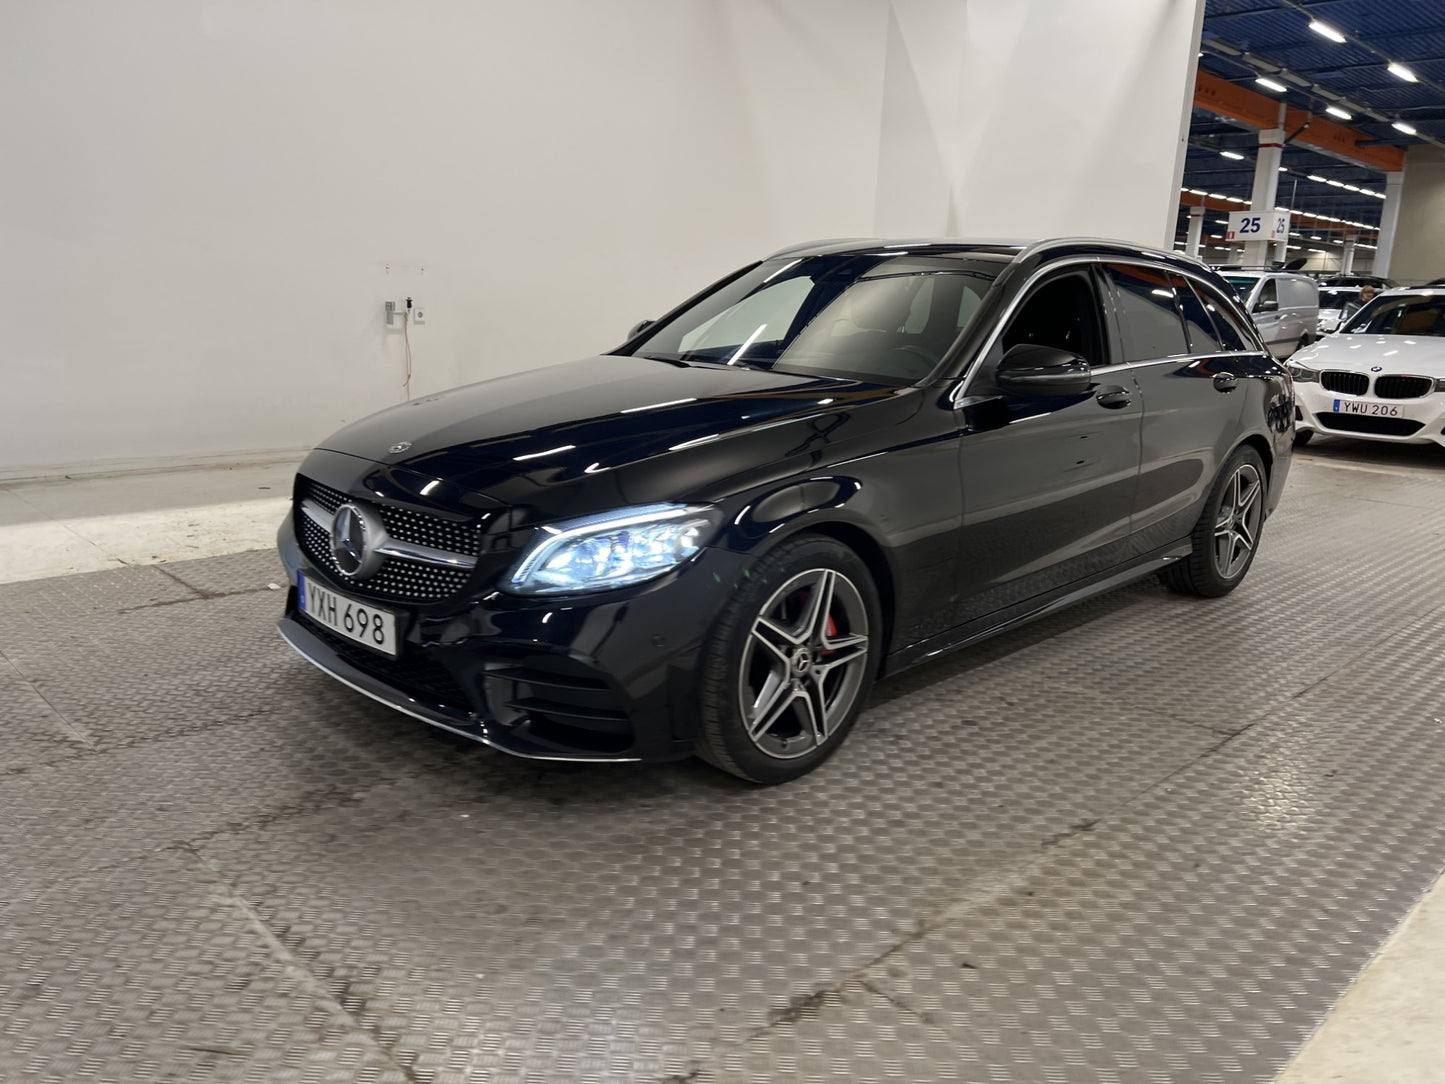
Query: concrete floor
1389,1026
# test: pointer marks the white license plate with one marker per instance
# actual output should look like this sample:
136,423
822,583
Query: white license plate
1376,410
359,621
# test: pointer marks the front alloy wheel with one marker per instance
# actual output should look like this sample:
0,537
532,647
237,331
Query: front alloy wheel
803,663
790,661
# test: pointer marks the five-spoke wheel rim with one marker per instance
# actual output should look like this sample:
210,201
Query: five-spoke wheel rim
804,662
1236,527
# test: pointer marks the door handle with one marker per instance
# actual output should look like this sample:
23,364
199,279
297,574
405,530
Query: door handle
1114,397
1225,382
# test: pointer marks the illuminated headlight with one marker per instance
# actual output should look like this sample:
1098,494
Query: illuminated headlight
1301,373
614,549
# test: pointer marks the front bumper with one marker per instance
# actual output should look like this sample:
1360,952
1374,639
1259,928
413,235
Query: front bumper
1398,421
604,677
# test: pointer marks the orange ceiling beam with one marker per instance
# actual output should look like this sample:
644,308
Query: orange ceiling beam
1227,99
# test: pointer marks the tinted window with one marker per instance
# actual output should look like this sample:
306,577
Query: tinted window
1231,334
1202,337
1062,313
1148,318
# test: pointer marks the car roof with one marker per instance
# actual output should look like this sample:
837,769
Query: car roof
1016,250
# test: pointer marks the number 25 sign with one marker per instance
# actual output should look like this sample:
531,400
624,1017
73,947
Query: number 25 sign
1257,226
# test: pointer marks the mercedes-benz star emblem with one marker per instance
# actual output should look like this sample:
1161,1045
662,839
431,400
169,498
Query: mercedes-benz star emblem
356,535
400,446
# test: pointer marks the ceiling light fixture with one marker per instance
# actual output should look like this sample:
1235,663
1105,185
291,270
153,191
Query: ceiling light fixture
1232,154
1326,30
1401,126
1336,111
1317,177
1399,71
1279,88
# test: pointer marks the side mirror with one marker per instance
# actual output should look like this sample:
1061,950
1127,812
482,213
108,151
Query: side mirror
1266,306
638,328
1030,369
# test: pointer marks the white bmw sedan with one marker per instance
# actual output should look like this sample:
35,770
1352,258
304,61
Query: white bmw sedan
1382,377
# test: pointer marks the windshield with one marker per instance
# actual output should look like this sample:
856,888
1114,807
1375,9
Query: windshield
1242,284
877,316
1409,315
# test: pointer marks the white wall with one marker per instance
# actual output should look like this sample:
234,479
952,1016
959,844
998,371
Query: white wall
206,202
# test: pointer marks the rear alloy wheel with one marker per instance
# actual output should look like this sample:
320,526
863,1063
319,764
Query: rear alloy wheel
1227,534
792,660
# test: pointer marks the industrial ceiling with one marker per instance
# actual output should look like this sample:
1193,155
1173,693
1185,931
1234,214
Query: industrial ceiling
1375,67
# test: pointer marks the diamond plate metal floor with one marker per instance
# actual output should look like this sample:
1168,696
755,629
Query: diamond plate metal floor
1150,839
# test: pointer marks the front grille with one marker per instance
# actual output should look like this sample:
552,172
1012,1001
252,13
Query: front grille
1345,383
413,673
1403,387
397,578
1360,423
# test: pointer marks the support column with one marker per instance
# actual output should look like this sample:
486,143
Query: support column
1266,188
1347,257
1196,231
1389,219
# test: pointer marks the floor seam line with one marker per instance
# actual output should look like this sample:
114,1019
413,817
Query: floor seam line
306,978
77,731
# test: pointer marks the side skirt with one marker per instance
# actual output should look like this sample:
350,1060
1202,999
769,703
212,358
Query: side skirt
1033,610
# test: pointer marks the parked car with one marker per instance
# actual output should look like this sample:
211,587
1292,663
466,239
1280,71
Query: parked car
1377,281
1336,303
1285,306
835,463
1382,377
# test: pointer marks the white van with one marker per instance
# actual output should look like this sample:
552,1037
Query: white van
1285,306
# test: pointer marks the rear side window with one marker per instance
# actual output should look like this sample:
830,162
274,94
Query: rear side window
1202,336
1148,318
1231,335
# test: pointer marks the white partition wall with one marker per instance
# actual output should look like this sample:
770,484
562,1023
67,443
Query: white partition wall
205,203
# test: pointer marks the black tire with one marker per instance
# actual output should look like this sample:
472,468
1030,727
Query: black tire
1226,537
1303,437
777,662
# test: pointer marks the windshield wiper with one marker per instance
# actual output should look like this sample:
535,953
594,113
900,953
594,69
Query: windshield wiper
671,359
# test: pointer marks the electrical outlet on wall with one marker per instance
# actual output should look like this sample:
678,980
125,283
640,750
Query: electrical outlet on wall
418,312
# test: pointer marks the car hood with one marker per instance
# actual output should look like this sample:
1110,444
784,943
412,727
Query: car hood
1416,355
619,429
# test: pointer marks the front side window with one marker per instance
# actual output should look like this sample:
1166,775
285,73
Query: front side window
1062,313
1268,299
1418,315
874,316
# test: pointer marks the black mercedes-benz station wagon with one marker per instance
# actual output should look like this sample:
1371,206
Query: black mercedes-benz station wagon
835,463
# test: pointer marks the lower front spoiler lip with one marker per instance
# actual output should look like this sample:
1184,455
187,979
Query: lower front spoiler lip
467,724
